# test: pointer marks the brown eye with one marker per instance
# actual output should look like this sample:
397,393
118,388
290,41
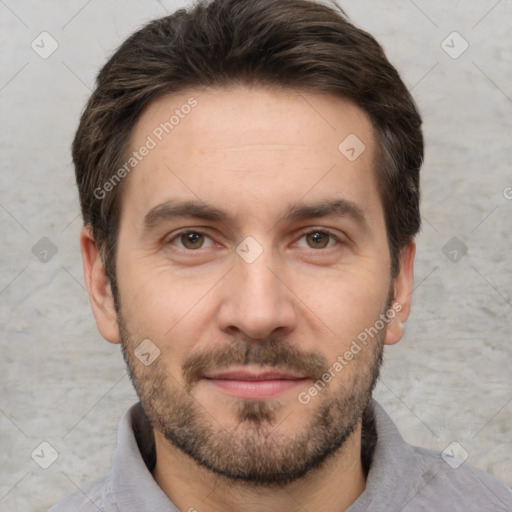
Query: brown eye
192,240
318,239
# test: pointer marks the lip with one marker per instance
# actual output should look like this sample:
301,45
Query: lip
254,384
246,374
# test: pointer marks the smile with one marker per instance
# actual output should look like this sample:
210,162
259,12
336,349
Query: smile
255,385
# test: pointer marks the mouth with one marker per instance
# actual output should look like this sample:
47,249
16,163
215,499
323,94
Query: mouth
247,384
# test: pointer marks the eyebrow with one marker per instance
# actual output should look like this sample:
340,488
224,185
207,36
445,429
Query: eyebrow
172,209
339,207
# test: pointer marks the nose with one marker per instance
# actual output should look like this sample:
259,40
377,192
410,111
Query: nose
255,301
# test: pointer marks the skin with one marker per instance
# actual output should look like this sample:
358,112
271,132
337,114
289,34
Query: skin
253,153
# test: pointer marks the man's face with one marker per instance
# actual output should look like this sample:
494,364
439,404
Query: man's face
248,244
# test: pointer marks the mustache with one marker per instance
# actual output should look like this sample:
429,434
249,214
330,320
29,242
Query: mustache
271,351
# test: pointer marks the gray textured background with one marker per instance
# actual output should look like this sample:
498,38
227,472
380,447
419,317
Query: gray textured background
448,380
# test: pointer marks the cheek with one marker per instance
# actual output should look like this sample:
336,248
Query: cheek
346,304
167,308
145,299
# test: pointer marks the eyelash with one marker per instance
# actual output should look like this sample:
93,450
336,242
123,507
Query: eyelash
324,231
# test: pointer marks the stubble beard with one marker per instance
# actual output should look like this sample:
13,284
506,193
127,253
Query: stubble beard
257,450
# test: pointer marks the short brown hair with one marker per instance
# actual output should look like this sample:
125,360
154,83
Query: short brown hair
285,43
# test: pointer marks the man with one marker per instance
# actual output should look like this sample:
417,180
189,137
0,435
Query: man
249,180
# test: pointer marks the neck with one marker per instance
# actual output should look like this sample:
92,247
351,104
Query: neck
333,486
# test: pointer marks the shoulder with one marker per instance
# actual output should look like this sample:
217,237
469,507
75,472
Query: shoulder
455,485
94,496
414,479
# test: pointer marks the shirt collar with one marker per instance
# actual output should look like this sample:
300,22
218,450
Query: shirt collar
393,471
133,485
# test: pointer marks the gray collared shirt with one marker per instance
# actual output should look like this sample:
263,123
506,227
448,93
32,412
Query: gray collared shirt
402,478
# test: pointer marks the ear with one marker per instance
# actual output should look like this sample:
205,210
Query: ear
98,286
402,288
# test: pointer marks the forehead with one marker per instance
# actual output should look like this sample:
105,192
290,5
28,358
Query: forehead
249,148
